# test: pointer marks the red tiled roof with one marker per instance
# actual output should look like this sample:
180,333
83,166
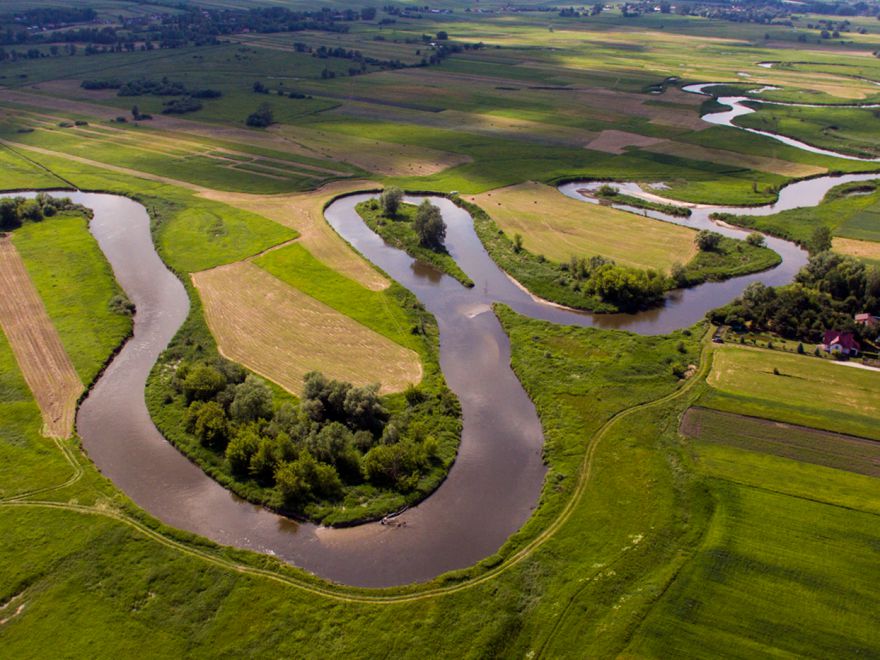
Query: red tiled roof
845,339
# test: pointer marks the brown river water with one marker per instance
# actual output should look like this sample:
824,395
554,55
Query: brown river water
496,480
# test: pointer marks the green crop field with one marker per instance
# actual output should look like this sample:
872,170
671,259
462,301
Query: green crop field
70,273
746,379
700,500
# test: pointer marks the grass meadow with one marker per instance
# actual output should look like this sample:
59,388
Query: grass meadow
807,391
644,542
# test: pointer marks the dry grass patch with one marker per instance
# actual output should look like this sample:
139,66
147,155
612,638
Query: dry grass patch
282,334
305,213
45,365
559,227
856,248
614,142
379,157
724,157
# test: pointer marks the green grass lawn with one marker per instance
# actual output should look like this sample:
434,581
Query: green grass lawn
807,391
847,130
77,286
19,173
848,210
777,575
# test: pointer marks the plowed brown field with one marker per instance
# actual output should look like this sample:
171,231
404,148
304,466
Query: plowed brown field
45,365
282,334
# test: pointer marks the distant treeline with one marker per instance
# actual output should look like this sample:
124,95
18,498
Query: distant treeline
164,87
167,30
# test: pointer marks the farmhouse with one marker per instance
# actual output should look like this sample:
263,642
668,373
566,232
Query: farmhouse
868,320
843,342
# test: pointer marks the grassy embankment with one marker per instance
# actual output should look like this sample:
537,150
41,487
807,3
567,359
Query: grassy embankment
398,231
845,130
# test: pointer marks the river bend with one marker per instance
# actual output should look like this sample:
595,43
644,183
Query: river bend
496,480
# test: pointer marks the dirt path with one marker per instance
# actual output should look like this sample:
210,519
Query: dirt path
36,345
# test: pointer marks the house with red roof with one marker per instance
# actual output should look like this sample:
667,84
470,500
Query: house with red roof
870,321
841,342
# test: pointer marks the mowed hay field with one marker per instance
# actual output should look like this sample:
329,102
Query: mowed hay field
861,249
558,227
305,213
46,367
282,334
807,390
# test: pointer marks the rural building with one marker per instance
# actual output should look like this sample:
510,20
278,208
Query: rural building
844,342
869,321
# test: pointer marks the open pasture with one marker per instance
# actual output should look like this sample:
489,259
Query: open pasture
807,391
194,160
304,213
282,334
37,347
559,228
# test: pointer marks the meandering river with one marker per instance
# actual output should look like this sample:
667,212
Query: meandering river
496,480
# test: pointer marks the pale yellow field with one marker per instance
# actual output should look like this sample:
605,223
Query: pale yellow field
305,213
856,248
282,334
559,227
45,365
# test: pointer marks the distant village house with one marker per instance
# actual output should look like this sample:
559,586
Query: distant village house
840,342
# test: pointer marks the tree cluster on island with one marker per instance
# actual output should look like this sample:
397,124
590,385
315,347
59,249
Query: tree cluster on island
336,437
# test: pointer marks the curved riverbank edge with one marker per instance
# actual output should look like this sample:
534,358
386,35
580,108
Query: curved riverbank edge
737,108
564,297
445,537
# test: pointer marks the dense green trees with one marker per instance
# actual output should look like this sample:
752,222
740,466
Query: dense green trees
827,293
707,241
15,211
390,199
627,288
429,226
262,118
338,435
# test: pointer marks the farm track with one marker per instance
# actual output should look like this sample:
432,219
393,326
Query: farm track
340,593
37,347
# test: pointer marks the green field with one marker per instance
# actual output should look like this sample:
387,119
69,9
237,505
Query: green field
744,378
700,500
71,274
799,443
